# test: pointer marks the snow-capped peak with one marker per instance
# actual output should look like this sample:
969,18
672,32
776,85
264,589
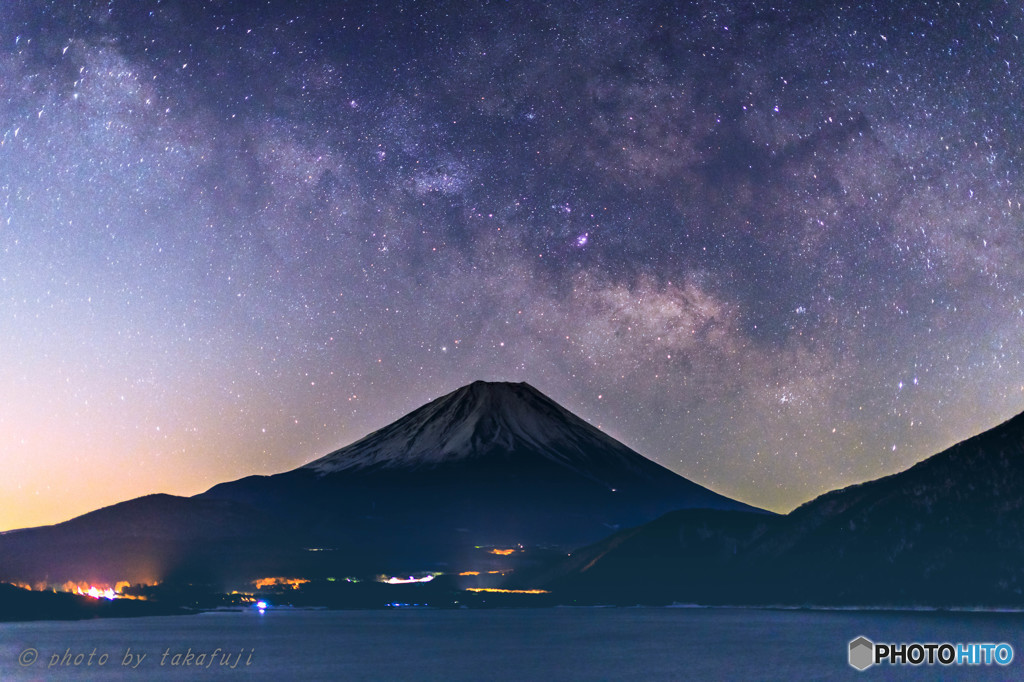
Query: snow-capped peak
481,418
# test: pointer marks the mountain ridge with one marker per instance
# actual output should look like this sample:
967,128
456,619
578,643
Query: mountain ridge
947,531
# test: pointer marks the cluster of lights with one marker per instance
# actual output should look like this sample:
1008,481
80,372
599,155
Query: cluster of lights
293,583
405,581
97,593
89,590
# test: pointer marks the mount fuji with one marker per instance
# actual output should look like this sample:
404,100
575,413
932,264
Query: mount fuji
490,466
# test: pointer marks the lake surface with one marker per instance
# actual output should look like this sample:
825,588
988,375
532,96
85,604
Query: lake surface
513,644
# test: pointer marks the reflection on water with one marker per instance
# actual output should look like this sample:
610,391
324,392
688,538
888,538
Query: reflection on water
513,644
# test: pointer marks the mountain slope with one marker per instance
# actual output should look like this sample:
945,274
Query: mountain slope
950,527
689,555
150,538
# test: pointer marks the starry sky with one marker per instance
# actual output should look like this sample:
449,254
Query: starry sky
775,247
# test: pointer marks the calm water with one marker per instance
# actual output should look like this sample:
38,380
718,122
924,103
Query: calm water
567,644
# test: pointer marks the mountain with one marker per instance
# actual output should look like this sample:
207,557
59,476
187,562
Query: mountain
473,481
488,465
947,531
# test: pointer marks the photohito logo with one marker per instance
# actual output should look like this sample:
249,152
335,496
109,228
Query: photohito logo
864,653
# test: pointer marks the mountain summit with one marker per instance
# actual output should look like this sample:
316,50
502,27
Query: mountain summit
504,425
478,420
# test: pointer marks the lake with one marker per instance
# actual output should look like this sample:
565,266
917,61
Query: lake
512,644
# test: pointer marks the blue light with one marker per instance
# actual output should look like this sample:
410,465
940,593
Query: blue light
261,605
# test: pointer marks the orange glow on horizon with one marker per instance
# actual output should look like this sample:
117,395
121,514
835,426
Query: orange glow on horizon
502,591
501,552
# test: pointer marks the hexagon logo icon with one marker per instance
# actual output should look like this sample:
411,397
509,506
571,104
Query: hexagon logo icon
862,653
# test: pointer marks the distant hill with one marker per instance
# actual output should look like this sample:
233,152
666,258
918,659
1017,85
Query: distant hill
947,531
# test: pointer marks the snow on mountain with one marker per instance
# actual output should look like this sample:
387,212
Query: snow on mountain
481,419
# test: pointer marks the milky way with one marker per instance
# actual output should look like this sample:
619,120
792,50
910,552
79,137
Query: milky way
777,248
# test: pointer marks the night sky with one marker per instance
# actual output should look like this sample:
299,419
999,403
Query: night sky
775,247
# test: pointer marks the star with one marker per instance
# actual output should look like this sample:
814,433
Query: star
712,232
